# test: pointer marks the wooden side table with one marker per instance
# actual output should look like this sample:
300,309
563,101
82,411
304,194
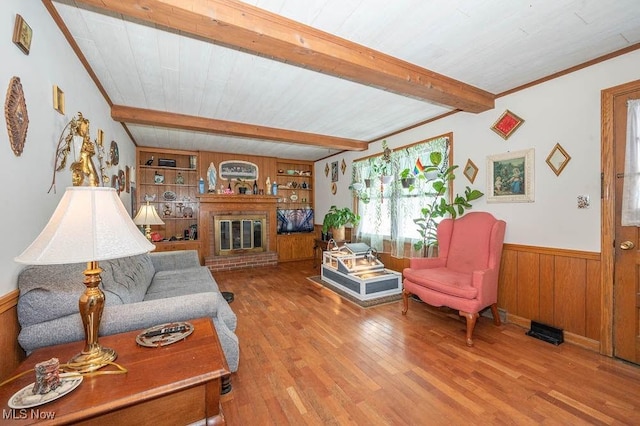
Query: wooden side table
174,384
321,245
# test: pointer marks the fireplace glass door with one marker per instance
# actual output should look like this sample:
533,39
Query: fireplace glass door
239,234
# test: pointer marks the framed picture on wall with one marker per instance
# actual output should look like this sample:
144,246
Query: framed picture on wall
334,171
510,177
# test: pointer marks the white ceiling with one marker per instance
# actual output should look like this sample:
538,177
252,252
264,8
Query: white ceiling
494,45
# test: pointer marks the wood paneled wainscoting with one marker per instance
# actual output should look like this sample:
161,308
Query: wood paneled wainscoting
12,354
557,287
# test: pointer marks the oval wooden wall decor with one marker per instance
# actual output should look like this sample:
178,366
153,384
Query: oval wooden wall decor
15,112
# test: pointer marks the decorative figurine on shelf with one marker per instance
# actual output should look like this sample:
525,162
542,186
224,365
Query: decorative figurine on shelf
211,173
149,161
167,209
268,185
187,212
179,179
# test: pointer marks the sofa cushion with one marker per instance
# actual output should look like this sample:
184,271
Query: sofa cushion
48,292
443,280
127,278
181,282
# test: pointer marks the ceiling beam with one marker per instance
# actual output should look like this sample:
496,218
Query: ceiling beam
242,26
149,117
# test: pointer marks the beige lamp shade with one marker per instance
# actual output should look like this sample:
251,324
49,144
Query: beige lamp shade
89,224
147,215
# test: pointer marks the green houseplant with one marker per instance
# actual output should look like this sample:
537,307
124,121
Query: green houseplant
439,176
407,179
336,219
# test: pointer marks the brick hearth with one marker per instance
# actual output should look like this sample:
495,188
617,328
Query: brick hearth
231,262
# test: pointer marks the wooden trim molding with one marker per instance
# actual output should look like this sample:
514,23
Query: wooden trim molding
8,301
608,226
12,354
553,251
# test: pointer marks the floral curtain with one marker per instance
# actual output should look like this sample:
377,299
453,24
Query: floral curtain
631,186
387,210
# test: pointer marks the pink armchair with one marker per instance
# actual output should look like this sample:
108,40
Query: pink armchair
464,276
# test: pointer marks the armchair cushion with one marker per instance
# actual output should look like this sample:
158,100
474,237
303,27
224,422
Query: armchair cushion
443,280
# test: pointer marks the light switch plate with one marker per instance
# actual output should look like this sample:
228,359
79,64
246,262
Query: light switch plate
583,201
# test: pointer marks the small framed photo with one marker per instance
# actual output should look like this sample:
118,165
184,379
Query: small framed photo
58,99
470,170
22,34
158,178
507,124
334,171
100,138
510,177
558,159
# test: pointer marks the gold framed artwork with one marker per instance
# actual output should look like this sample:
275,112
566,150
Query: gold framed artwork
558,159
22,34
58,99
507,124
510,177
334,171
470,170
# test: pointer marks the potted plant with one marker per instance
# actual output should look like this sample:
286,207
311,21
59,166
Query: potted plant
439,176
382,169
336,219
407,179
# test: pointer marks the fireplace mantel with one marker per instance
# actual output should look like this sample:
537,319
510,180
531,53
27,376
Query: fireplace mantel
237,198
217,204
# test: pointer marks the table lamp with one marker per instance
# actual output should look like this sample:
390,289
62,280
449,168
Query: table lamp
147,216
90,224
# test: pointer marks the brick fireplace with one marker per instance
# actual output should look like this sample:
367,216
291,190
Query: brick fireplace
228,229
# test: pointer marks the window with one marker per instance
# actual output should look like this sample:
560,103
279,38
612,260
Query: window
387,210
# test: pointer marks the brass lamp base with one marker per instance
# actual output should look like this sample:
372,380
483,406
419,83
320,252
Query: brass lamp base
91,305
85,362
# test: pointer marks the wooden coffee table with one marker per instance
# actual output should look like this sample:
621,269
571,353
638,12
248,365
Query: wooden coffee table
174,384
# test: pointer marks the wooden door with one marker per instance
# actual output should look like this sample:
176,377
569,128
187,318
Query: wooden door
626,288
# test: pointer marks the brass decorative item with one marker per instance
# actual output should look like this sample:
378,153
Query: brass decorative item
75,137
89,225
15,113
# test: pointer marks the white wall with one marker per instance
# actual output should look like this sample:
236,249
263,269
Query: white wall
565,110
26,179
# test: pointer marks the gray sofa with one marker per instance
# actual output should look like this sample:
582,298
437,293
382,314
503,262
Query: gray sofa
140,291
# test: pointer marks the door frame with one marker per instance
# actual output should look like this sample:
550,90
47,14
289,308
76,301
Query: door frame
607,196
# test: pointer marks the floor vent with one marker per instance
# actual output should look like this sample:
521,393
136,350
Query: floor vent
546,333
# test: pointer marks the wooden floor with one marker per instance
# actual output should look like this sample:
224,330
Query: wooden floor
309,357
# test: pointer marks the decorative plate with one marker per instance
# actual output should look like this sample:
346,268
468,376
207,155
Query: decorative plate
15,113
164,334
123,180
114,153
25,399
169,195
293,197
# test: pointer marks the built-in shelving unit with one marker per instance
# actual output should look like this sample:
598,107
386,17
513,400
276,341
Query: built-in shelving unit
169,179
295,191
